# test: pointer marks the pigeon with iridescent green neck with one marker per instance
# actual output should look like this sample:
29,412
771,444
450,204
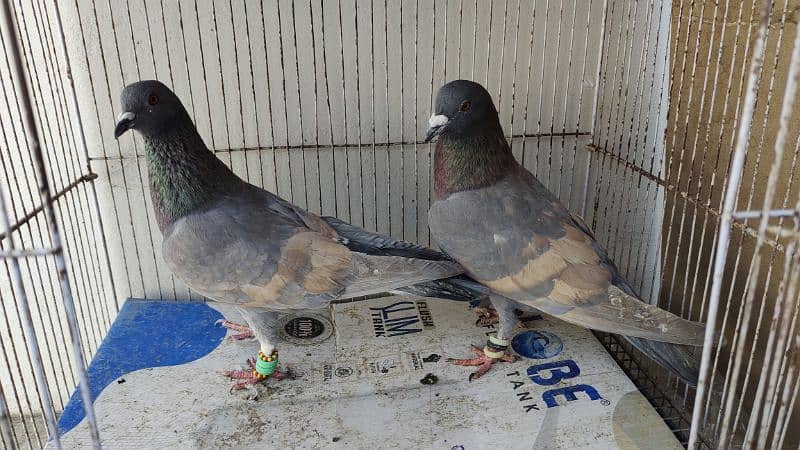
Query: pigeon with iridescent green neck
239,244
513,236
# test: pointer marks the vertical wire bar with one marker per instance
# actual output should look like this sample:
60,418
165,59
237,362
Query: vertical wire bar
119,148
541,91
514,77
388,121
732,372
253,92
787,108
528,84
19,289
402,131
731,192
43,238
66,290
743,320
724,114
5,423
358,115
269,94
316,102
416,125
299,105
629,148
474,40
344,113
31,80
621,110
691,171
50,62
787,293
715,84
81,145
595,101
580,97
139,172
239,88
791,404
553,103
566,98
16,365
674,143
115,208
372,109
656,142
39,226
613,110
327,103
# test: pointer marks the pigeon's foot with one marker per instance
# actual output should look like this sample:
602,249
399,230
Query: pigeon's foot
484,359
251,377
244,332
486,316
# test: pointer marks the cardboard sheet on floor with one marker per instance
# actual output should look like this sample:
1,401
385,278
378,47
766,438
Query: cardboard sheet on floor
369,374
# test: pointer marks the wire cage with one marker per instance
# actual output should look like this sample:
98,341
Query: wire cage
670,126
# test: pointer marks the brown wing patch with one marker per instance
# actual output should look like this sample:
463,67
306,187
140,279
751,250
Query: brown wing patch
310,263
567,270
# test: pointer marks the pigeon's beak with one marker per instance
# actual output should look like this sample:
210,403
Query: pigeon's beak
125,122
436,125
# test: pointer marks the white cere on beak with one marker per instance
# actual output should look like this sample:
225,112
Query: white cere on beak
126,116
437,120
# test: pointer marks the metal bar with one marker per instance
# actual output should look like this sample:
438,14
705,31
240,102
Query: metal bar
773,213
683,194
27,217
6,428
723,240
26,253
780,142
346,145
66,290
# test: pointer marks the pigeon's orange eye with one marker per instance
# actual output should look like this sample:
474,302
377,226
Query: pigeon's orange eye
153,99
465,106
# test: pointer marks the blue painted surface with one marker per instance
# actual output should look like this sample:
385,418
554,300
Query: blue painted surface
535,344
146,334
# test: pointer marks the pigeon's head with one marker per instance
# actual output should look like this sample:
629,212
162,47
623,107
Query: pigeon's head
462,107
148,107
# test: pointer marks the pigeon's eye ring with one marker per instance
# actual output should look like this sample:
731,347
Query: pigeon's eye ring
152,99
465,106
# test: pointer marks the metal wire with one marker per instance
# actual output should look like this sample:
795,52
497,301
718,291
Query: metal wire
723,240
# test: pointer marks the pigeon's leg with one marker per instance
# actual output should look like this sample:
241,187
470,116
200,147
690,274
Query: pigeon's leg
244,332
487,315
265,365
496,348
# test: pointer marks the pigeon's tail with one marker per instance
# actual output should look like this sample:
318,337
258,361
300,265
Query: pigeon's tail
682,360
460,289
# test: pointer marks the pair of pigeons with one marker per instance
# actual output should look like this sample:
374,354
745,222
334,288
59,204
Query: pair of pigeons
504,237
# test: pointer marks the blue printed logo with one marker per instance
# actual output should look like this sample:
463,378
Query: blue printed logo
534,344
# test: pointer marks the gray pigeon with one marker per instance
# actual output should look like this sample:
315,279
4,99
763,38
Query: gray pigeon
512,235
239,244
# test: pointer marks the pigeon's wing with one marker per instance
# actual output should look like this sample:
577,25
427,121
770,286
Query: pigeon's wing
516,238
363,241
251,252
460,288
